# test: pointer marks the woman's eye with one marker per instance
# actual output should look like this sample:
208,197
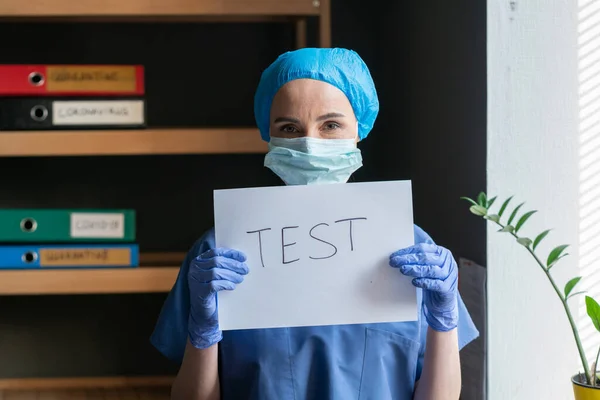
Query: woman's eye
332,125
289,129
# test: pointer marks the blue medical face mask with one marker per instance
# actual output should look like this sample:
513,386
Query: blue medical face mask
306,160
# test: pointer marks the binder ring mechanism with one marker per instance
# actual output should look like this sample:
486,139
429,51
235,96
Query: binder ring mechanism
28,225
38,113
29,257
36,78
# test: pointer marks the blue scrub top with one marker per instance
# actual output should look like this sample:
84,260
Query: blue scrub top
363,361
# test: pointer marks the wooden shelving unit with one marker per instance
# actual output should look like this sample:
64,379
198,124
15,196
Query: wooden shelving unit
131,142
159,271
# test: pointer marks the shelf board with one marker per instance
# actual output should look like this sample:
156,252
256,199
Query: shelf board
87,281
162,258
155,19
131,142
155,387
157,8
110,382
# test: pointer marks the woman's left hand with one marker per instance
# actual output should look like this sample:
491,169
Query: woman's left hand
435,271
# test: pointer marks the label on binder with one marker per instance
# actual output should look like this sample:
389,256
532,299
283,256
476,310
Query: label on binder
92,78
97,225
99,112
82,256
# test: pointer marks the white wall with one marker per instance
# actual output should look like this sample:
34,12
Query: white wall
589,165
533,154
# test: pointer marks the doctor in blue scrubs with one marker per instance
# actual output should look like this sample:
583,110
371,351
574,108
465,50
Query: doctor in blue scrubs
312,106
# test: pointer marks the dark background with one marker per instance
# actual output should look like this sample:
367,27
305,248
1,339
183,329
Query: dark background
428,63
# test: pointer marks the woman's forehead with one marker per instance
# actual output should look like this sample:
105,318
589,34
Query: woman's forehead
309,93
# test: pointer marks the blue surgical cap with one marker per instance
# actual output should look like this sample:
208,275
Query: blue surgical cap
341,68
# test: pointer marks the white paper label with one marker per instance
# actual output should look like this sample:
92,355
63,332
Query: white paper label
102,112
97,225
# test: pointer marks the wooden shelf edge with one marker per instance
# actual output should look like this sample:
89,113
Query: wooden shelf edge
153,8
256,16
152,19
87,281
162,258
85,382
131,142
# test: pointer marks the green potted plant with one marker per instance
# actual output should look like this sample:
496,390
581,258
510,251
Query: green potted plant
586,385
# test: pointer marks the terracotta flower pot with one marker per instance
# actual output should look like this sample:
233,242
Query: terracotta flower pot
583,391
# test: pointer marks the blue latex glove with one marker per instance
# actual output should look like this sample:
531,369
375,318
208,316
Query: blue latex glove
209,273
435,271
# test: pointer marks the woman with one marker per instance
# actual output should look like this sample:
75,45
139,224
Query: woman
313,106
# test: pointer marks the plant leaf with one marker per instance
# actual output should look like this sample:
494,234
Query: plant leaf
493,217
571,285
490,202
504,205
593,310
507,228
478,210
514,213
482,200
557,260
524,241
470,200
523,219
554,254
539,238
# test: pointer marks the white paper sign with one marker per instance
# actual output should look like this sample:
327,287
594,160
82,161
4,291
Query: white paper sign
98,225
96,112
317,254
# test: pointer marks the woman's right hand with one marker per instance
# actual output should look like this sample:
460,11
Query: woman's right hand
213,271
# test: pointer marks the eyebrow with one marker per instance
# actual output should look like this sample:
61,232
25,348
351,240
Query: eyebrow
330,115
287,119
321,118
